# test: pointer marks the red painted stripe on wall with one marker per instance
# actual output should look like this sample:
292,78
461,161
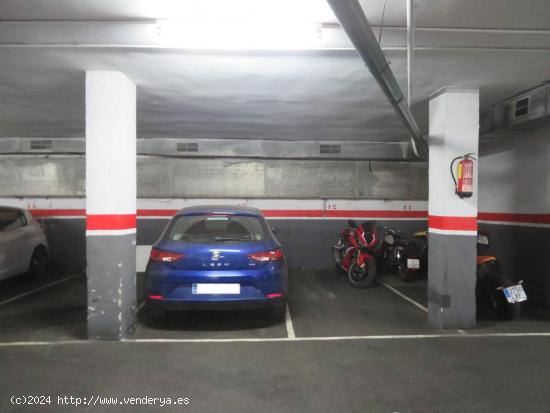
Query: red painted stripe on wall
156,212
515,218
110,221
269,213
313,213
58,212
292,213
308,213
332,213
452,223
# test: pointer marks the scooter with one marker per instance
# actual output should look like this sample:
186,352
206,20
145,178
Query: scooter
421,238
399,254
495,291
354,253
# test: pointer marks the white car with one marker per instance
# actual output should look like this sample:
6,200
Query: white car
23,244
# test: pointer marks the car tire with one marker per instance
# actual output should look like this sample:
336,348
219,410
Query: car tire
39,262
404,273
278,313
510,311
156,313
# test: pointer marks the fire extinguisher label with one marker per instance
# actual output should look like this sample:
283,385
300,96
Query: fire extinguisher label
465,175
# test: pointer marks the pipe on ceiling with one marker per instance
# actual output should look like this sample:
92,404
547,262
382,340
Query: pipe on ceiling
355,23
410,49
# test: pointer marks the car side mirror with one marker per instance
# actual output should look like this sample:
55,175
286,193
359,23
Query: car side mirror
275,230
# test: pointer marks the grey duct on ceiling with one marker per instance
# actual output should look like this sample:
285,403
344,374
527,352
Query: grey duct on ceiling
355,23
523,111
222,148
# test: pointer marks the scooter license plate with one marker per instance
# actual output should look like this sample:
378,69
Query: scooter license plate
515,294
413,264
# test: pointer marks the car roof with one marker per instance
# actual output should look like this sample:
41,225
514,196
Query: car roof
13,208
220,209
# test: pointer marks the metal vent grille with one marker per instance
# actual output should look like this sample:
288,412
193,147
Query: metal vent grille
522,107
41,144
187,147
325,148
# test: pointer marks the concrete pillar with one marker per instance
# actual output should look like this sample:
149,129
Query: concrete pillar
454,131
110,204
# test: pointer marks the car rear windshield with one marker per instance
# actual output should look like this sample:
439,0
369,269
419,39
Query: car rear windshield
211,229
11,219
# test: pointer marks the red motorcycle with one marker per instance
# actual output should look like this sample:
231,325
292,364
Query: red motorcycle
354,253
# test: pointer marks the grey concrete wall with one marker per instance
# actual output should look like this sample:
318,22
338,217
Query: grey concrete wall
514,177
514,173
224,178
307,243
67,243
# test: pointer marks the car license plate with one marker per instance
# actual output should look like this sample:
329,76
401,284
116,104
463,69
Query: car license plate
216,288
413,263
515,294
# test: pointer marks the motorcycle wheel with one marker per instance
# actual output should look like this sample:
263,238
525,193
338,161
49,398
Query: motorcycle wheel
511,311
362,277
404,273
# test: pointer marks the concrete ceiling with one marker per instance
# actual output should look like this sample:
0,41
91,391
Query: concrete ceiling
500,46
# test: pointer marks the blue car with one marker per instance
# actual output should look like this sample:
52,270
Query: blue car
217,258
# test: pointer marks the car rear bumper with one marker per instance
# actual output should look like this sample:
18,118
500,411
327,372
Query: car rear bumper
175,289
215,305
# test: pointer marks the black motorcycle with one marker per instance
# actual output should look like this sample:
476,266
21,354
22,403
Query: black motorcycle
400,255
496,292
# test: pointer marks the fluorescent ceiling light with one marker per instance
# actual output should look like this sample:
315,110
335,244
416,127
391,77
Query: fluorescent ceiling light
312,10
242,24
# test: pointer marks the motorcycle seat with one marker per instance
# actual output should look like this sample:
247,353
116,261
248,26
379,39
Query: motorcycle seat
483,259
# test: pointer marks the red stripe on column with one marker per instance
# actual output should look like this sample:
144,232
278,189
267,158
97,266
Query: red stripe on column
110,222
452,223
515,218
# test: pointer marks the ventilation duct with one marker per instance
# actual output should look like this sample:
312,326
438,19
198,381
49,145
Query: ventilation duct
187,147
324,148
517,112
41,145
225,148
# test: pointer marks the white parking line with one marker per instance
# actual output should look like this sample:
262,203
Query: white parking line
289,327
17,297
403,296
274,339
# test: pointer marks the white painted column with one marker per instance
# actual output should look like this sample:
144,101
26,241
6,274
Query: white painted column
454,131
110,204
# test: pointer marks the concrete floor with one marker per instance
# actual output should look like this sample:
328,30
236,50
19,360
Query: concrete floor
355,350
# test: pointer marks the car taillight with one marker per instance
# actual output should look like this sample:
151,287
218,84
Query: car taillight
156,297
275,255
164,256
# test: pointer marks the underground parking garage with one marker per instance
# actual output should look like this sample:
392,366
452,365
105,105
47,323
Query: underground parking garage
296,206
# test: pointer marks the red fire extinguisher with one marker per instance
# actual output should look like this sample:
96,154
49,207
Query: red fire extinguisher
464,181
